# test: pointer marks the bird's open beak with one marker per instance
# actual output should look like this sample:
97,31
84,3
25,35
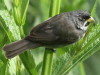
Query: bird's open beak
91,19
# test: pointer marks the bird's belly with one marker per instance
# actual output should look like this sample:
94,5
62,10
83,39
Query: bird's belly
62,43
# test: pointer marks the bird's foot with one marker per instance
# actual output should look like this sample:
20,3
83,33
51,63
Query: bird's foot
51,49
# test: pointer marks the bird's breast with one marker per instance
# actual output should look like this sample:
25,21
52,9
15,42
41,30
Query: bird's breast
74,36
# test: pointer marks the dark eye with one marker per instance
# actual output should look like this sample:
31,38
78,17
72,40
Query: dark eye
84,18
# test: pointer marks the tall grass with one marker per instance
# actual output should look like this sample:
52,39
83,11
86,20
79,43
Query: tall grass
48,55
63,61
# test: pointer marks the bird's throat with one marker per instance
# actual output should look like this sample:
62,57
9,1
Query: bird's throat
85,25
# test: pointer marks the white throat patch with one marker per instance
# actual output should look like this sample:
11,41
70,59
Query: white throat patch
84,27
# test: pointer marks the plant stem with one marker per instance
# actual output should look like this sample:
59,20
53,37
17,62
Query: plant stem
47,62
82,70
21,31
48,55
54,7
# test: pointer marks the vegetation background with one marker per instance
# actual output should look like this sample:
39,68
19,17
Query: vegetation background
17,17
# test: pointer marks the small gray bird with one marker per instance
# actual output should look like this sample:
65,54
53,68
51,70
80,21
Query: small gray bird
60,30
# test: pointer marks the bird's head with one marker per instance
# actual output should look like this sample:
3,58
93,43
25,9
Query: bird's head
82,19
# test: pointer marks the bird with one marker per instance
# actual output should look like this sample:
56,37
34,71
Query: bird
58,31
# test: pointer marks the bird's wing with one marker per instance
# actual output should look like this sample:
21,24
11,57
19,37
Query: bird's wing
45,32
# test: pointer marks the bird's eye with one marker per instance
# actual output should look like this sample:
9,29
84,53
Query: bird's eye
84,18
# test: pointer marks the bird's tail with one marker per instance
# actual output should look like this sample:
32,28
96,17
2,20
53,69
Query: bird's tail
18,47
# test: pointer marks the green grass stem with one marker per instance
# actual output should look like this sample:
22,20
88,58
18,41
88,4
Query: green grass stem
48,55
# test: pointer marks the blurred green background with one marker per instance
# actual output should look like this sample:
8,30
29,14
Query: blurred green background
37,12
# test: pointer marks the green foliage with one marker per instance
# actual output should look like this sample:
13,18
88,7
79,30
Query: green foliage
9,25
20,9
2,5
30,63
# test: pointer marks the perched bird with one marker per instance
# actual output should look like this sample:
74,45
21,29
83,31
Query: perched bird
60,30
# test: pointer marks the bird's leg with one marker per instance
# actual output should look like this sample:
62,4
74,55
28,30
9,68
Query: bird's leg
54,50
